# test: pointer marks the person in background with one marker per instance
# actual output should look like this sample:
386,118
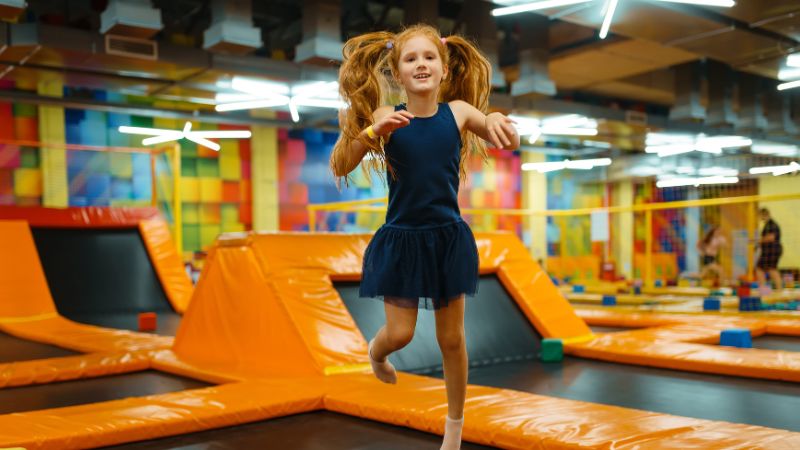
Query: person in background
770,251
709,249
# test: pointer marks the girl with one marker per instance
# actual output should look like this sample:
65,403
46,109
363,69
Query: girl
424,256
709,249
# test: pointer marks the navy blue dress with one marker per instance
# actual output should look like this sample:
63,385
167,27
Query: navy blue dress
425,254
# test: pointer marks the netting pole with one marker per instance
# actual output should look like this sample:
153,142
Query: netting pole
312,219
752,226
176,197
153,182
648,248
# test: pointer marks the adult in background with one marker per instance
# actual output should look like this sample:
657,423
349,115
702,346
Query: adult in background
770,251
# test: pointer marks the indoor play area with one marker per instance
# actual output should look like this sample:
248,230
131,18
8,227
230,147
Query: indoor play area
181,268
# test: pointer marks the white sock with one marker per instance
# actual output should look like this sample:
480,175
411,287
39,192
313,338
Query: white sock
452,434
383,370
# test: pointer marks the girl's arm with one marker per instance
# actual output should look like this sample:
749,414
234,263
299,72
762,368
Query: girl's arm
385,120
494,127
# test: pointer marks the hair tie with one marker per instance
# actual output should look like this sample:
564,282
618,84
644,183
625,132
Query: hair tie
444,41
389,45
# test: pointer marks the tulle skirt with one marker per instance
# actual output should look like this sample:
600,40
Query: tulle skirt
421,267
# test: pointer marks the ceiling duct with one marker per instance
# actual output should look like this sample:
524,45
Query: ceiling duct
232,29
421,11
751,103
534,56
779,113
481,27
133,18
11,9
688,92
721,83
322,33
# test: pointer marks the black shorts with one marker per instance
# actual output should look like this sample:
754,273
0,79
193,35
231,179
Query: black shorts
768,259
707,259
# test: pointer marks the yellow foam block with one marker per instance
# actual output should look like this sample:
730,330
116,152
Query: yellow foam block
490,175
190,189
191,213
28,183
208,234
210,190
229,213
228,227
230,167
477,198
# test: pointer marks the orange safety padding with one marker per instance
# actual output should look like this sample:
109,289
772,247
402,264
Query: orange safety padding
753,363
79,217
692,291
760,324
337,254
156,416
540,300
168,361
52,370
517,420
783,327
23,286
237,324
83,338
167,263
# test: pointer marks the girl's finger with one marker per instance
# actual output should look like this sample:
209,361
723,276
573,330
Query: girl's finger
405,113
493,138
502,133
510,131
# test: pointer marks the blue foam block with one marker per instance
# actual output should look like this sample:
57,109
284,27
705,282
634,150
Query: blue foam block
750,304
609,300
711,304
659,283
578,289
637,290
736,337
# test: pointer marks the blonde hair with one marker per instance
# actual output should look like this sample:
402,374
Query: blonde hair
367,81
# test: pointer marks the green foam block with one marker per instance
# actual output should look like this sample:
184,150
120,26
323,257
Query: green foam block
552,350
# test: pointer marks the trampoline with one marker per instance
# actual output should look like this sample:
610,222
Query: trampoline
502,347
103,276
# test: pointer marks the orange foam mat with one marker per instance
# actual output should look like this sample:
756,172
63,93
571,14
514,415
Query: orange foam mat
143,418
52,370
743,362
24,290
278,308
167,263
65,333
758,323
516,420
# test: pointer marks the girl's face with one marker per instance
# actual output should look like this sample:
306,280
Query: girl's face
420,67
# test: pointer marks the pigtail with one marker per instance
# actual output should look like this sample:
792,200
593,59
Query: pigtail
468,80
362,86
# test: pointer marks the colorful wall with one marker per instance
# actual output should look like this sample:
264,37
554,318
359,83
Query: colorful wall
215,186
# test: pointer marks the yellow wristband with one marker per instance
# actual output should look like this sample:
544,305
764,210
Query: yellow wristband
370,132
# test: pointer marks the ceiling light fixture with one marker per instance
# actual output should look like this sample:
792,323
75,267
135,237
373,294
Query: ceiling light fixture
776,170
567,125
267,94
160,135
665,144
535,6
581,164
610,8
793,60
690,181
789,85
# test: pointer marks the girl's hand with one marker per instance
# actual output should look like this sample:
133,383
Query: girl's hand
391,122
501,130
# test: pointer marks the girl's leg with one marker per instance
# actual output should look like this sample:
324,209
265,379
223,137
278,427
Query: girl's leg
452,342
396,334
775,275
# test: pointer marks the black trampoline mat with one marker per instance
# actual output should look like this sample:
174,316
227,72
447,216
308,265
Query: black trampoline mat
706,396
320,430
512,338
167,321
99,271
92,390
772,342
14,349
767,403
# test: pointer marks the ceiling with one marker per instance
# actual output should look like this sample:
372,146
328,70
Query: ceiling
633,69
